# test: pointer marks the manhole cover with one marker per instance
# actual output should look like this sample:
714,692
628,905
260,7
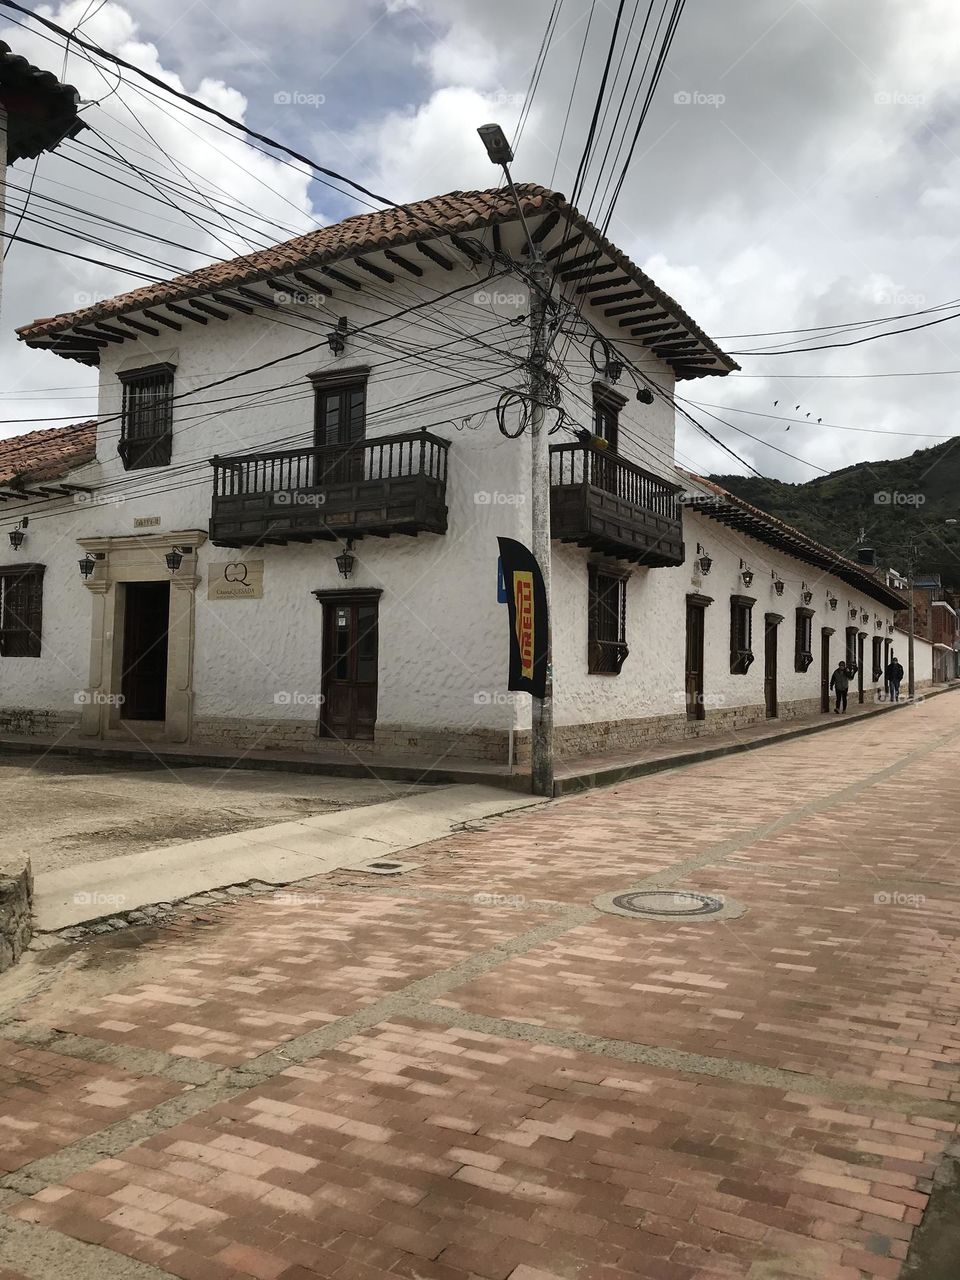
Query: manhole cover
669,904
388,867
662,902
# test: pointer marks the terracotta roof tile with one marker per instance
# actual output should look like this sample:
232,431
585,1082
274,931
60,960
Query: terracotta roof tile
47,455
456,213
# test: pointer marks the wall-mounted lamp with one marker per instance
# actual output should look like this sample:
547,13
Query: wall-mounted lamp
337,341
17,534
806,595
614,370
346,560
889,628
704,562
174,557
746,573
864,616
831,600
777,582
89,563
853,611
879,621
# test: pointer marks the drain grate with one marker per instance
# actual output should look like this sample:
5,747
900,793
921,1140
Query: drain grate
670,904
387,867
663,902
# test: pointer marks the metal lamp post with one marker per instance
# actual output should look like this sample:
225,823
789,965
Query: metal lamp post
500,153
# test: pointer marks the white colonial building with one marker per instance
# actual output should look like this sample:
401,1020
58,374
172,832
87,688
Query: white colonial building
282,533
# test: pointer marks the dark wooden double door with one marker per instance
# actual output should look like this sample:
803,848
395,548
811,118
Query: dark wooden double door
350,649
143,679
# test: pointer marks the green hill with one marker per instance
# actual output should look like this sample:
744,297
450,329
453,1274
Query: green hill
895,502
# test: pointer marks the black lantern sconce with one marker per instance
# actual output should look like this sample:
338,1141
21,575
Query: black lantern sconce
746,573
831,600
853,611
17,534
89,563
777,582
864,616
806,595
174,557
889,628
614,370
704,562
337,341
346,560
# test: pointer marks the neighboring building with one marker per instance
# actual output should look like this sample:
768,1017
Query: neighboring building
935,622
270,424
36,113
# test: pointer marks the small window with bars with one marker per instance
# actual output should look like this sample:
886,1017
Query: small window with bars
607,622
803,653
146,434
741,634
21,610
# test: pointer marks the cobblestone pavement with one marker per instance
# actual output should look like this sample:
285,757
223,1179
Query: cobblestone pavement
472,1072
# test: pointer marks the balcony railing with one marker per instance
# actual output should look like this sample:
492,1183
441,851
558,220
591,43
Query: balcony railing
608,504
382,485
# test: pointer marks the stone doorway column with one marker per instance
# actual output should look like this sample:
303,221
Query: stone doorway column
140,559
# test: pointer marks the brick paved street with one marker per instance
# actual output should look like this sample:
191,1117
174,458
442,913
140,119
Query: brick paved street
471,1071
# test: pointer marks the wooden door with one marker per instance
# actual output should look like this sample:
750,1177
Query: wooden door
825,669
349,669
770,664
338,429
606,426
146,618
860,640
696,616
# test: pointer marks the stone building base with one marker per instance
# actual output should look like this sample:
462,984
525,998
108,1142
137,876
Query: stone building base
16,911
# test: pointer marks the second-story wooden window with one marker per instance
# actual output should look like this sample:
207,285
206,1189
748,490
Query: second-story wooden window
606,427
606,622
21,610
741,634
340,410
146,432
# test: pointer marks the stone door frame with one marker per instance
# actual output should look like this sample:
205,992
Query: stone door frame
140,558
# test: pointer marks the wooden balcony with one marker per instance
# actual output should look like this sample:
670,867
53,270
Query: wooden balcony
383,485
601,501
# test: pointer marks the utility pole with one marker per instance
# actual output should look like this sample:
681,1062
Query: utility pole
541,755
911,673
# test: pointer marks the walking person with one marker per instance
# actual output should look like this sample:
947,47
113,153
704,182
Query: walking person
894,675
840,683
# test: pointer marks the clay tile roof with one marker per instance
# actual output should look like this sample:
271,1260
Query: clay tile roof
455,214
41,111
47,455
718,503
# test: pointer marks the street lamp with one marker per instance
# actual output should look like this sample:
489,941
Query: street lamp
541,746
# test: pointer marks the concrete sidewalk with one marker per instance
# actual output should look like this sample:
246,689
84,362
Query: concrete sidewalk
272,855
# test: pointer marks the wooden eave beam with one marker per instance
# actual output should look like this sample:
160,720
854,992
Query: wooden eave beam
164,320
374,270
399,261
546,226
341,278
560,249
466,248
301,277
626,308
206,308
138,325
235,303
622,296
434,255
108,331
101,338
620,282
257,298
185,312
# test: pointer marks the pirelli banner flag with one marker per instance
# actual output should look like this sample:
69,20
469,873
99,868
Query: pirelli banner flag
527,607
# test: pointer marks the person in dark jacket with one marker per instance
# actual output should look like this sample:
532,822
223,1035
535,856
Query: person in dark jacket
894,674
840,683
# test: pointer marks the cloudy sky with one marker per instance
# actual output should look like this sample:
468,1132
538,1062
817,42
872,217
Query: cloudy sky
799,167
